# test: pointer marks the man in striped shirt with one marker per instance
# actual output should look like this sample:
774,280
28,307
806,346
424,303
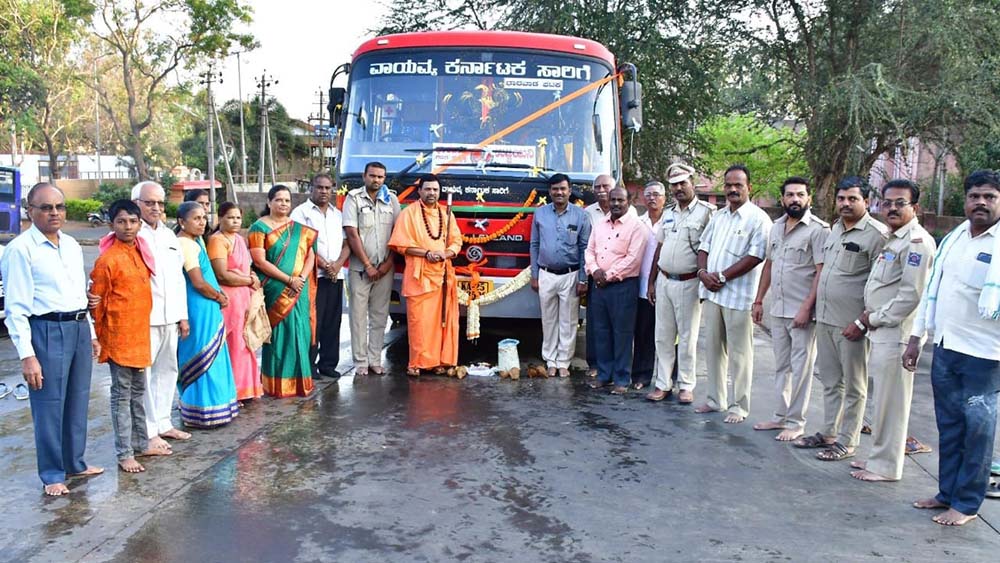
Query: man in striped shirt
732,247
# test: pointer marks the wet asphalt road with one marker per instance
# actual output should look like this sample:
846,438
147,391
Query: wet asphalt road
436,469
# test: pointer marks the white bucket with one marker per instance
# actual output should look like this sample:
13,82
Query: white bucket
507,358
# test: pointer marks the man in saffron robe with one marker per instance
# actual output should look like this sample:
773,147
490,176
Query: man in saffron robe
428,240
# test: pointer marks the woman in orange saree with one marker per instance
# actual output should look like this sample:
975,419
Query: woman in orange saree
283,258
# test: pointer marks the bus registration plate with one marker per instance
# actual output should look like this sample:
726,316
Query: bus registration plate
485,286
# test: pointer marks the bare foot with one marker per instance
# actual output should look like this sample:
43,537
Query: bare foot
592,373
789,434
733,418
157,443
152,452
952,517
929,503
859,464
705,408
175,434
865,475
56,490
769,425
88,472
130,465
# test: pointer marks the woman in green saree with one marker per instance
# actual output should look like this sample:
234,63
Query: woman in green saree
283,257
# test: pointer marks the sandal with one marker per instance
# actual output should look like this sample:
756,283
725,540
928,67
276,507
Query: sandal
914,446
993,490
21,392
817,440
4,390
413,372
835,452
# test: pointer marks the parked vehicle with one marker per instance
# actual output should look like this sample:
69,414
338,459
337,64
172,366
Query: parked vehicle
97,218
10,200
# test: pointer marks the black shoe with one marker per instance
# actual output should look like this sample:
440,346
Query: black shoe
332,374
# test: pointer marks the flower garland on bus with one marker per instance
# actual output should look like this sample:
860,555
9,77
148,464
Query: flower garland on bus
472,313
483,239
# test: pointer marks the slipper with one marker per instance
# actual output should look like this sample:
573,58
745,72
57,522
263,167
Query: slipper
835,452
817,440
914,446
866,429
21,392
993,490
995,468
413,372
4,390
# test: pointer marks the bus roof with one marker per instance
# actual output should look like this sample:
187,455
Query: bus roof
509,39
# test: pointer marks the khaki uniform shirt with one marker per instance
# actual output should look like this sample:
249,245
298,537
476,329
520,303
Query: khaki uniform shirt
794,256
847,261
374,221
897,282
679,231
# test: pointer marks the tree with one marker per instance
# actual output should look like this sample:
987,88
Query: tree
770,153
863,76
40,35
149,42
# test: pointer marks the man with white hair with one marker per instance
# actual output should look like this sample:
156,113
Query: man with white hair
168,318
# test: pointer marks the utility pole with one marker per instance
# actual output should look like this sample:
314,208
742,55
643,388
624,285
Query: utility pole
265,131
243,140
207,78
319,136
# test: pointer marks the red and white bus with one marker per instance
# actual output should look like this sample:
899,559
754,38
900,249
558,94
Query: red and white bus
494,114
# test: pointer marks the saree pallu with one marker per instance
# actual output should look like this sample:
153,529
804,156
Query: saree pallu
205,382
285,368
246,371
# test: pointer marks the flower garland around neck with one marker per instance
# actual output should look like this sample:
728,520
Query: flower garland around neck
483,239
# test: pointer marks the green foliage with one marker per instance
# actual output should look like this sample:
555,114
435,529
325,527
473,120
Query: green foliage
108,192
77,209
171,209
249,217
771,153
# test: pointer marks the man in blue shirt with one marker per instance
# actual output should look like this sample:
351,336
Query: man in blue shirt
55,341
559,234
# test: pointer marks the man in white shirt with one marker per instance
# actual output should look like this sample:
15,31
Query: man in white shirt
48,324
732,247
168,319
644,348
965,372
331,253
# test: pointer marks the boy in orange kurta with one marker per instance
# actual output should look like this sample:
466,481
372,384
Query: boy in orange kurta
420,236
121,320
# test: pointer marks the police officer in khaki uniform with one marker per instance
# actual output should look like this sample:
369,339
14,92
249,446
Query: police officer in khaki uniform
893,291
794,262
673,285
855,240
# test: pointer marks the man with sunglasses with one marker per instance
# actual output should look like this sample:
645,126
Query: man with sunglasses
895,285
48,324
168,320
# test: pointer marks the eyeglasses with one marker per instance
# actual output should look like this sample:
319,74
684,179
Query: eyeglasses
154,203
895,203
49,208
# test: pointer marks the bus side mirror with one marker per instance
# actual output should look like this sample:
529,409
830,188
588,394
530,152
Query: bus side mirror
336,105
631,105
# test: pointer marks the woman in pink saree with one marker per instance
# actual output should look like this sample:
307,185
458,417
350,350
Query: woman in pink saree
231,262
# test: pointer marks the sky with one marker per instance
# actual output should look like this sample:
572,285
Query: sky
301,43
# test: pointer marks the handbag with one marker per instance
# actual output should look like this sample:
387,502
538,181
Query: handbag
257,329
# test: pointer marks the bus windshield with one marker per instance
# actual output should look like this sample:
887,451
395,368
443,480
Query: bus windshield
424,110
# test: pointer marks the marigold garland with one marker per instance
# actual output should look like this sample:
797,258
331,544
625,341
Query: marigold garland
472,313
483,239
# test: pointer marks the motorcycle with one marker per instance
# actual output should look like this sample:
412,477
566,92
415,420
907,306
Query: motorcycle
96,218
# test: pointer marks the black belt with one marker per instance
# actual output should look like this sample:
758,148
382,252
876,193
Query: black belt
63,317
556,272
679,277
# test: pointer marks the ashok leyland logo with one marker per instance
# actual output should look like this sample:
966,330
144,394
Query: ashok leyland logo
474,253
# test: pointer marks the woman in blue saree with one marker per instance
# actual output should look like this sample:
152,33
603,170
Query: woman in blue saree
207,389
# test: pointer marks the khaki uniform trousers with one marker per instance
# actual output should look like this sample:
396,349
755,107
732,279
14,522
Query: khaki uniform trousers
368,304
794,359
729,344
678,319
891,414
843,369
560,314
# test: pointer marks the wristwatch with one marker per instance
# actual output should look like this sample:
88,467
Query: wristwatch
722,277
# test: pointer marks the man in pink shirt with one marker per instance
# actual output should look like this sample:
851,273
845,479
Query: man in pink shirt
614,256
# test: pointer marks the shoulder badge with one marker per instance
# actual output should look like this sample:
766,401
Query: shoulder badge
914,259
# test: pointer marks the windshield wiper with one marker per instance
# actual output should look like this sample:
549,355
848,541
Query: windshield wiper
461,149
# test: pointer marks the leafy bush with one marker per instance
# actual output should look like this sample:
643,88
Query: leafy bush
77,209
171,209
108,193
249,217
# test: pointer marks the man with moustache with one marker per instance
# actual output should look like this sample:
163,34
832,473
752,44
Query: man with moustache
596,211
892,293
673,285
961,307
331,254
794,262
855,240
559,236
733,245
614,256
644,351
